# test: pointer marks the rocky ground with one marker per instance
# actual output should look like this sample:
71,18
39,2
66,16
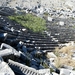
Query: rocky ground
56,4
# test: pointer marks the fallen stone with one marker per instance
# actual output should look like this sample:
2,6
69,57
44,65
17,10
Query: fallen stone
65,71
51,55
50,18
5,69
53,73
72,73
45,71
61,23
67,67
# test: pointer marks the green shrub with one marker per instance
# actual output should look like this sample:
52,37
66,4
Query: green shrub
33,23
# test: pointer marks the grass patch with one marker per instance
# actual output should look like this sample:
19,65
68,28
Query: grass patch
31,22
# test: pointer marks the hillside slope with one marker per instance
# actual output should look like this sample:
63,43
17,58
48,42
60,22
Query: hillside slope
56,4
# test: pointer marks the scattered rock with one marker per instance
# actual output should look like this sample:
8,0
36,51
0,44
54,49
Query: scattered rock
61,23
65,71
50,18
67,67
51,55
53,73
5,69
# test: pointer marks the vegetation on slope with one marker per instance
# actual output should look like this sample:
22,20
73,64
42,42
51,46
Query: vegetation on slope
33,23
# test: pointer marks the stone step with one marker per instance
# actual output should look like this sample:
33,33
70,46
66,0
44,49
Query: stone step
36,39
44,42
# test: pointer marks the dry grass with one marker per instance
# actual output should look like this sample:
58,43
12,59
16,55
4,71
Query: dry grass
57,51
67,60
66,50
64,61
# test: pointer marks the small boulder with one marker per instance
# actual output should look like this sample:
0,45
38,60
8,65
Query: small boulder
61,23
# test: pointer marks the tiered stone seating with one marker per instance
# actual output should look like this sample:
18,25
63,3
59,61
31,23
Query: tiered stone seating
62,33
33,43
6,11
15,34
